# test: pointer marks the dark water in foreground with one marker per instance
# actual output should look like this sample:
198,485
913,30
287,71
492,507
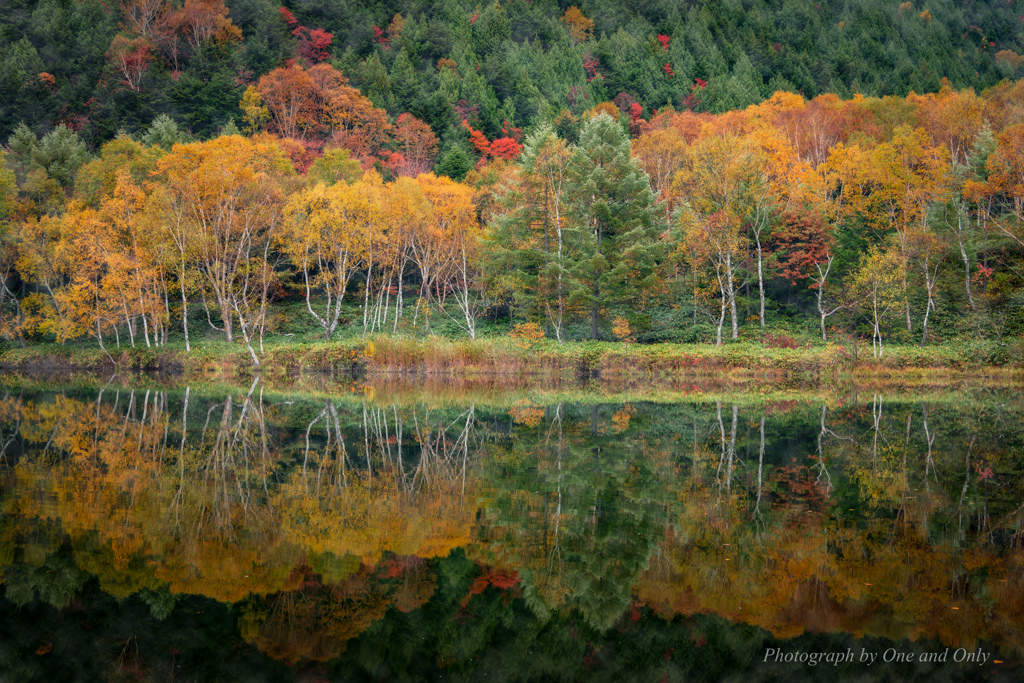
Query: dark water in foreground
172,534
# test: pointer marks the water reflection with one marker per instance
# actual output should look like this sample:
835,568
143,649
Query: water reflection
324,520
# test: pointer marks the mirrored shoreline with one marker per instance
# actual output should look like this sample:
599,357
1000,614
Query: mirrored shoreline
384,533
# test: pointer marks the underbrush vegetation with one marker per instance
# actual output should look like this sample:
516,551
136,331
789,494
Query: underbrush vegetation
293,345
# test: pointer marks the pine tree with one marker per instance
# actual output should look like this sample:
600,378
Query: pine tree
613,201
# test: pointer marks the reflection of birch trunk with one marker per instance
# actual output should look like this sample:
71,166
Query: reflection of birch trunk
229,459
465,450
876,416
322,415
728,447
822,469
732,447
906,447
443,459
334,451
963,492
721,441
95,432
760,469
366,443
176,503
145,412
556,547
217,453
398,443
340,446
929,463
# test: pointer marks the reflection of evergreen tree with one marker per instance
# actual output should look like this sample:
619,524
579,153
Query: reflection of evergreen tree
55,581
574,508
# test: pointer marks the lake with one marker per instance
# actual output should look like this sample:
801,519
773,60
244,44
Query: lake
154,530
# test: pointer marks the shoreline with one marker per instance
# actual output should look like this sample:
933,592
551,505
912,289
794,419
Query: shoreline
397,356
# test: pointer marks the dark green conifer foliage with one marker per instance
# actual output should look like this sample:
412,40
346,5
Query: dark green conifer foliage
455,163
612,198
60,153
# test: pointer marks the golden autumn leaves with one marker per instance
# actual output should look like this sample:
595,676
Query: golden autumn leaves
791,181
220,222
151,234
379,230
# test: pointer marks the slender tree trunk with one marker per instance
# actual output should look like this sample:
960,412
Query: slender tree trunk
366,298
760,273
145,324
184,311
877,332
929,283
721,311
128,323
731,287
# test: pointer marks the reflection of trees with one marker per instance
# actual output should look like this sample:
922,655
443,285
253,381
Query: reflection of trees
220,524
313,620
218,509
870,517
395,483
574,515
849,542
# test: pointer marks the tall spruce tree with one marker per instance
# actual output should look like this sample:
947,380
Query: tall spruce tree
612,199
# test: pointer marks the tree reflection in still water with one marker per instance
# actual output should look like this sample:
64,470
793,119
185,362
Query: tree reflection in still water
326,521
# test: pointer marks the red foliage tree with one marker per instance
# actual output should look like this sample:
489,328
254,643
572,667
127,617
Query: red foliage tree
313,47
801,241
130,59
417,144
506,148
480,142
313,43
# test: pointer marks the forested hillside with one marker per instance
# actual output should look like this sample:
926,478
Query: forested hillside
181,171
101,67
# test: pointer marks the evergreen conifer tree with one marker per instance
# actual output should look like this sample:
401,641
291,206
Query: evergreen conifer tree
613,203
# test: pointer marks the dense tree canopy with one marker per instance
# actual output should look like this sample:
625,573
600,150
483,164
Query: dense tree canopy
645,176
649,230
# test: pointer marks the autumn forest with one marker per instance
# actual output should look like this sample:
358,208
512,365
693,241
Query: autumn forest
182,172
523,340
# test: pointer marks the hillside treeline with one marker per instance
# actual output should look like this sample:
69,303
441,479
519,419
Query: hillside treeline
105,67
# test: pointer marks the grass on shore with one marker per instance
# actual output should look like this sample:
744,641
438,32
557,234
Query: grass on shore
506,356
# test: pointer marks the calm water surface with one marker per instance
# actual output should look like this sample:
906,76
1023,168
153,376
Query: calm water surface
365,535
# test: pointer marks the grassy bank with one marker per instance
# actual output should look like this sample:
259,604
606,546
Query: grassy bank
503,391
542,360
